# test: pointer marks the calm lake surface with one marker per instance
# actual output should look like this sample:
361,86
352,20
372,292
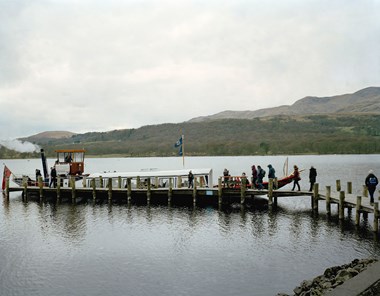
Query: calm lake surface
103,249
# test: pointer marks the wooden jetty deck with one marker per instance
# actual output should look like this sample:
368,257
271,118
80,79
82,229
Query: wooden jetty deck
200,195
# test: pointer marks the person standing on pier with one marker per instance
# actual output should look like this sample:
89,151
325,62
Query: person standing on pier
254,176
371,182
260,177
271,172
38,175
226,175
53,177
191,179
244,179
312,177
296,178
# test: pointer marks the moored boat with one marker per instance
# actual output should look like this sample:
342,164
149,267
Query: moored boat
69,162
157,178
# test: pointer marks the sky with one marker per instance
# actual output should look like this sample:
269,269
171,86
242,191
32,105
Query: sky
91,65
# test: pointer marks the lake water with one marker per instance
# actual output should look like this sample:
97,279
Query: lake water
103,249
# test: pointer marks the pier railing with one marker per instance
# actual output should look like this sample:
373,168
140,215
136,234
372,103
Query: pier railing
238,192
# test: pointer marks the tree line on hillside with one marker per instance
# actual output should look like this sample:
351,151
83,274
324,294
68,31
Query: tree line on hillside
286,135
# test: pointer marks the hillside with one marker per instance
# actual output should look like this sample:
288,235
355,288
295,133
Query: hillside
341,124
363,101
48,136
309,134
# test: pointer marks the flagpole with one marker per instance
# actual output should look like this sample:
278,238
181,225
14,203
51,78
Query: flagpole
183,151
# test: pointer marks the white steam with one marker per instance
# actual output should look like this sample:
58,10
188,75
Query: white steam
20,146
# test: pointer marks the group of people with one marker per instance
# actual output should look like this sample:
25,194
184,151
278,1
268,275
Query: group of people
258,174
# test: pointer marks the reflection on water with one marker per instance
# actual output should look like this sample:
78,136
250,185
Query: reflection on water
106,249
124,249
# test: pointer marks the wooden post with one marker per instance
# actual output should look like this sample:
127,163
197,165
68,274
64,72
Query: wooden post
156,182
148,191
109,185
129,189
58,188
349,187
119,182
365,191
275,183
84,182
93,185
338,187
101,182
7,188
179,180
328,200
220,192
25,185
358,206
41,187
195,193
170,191
315,197
270,192
138,182
341,205
72,183
376,216
243,189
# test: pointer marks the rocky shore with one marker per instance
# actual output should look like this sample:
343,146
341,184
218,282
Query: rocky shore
331,278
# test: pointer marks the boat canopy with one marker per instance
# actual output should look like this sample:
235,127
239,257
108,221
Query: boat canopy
205,173
70,161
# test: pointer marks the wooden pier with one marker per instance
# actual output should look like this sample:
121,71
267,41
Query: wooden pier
219,195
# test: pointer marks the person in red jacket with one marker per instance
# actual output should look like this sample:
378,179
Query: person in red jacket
296,178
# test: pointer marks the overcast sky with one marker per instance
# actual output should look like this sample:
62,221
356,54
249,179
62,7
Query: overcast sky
100,65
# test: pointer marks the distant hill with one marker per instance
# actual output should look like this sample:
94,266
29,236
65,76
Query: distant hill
342,124
366,100
48,136
273,135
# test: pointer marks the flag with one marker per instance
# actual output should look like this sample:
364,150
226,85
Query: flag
178,143
6,174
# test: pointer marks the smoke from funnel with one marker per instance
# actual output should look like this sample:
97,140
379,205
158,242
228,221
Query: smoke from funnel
20,146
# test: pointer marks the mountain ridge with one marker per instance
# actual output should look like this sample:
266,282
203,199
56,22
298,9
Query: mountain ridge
366,100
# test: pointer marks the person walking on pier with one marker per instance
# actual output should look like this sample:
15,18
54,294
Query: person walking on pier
312,177
371,182
254,176
296,178
260,177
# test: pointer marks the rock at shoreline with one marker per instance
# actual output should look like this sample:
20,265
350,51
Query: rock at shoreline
331,278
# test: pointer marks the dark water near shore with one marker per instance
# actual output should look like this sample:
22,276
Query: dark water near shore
102,249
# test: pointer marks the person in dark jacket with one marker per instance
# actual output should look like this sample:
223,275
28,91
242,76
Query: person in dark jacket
191,179
371,182
254,176
53,177
260,177
271,172
312,177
